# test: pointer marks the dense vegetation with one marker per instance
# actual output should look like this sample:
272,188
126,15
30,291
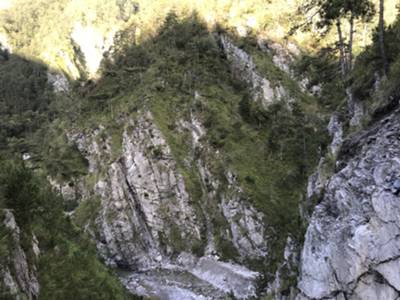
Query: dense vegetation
380,92
24,99
68,267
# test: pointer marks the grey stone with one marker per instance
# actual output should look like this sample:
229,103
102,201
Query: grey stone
244,68
356,226
148,220
19,275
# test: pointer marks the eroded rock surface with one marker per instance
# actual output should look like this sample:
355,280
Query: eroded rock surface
18,275
352,245
58,81
245,69
146,212
148,219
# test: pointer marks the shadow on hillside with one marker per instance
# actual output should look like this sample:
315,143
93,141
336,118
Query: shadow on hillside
25,98
28,109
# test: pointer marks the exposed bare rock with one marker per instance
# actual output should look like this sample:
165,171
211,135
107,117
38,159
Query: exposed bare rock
59,82
287,269
355,108
246,224
335,129
147,214
318,180
352,243
194,279
72,191
18,275
244,68
146,211
282,56
148,220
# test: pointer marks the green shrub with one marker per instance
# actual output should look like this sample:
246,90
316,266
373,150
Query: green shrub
68,265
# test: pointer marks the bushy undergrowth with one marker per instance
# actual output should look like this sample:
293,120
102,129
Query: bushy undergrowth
68,267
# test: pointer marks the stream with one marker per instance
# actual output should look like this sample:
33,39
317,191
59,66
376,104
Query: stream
193,279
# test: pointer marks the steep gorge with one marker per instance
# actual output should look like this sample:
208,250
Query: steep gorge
190,159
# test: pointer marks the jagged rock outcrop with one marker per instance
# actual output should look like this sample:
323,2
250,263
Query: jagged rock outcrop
282,56
17,273
246,226
244,68
351,248
58,81
286,271
146,211
148,218
356,109
317,180
335,129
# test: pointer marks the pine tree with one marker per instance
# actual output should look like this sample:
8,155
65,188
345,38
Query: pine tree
335,12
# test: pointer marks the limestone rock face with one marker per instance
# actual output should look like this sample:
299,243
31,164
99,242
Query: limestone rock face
282,56
59,82
245,225
16,273
317,180
351,248
145,211
147,215
356,109
148,221
244,68
335,129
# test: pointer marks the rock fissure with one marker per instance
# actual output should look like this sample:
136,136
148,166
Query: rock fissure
138,208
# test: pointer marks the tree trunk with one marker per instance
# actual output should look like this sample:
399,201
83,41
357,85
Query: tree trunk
342,58
351,36
382,37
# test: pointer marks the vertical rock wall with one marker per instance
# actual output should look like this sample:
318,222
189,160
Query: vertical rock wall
352,245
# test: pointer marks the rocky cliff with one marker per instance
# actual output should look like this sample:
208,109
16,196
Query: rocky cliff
17,271
148,220
351,248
